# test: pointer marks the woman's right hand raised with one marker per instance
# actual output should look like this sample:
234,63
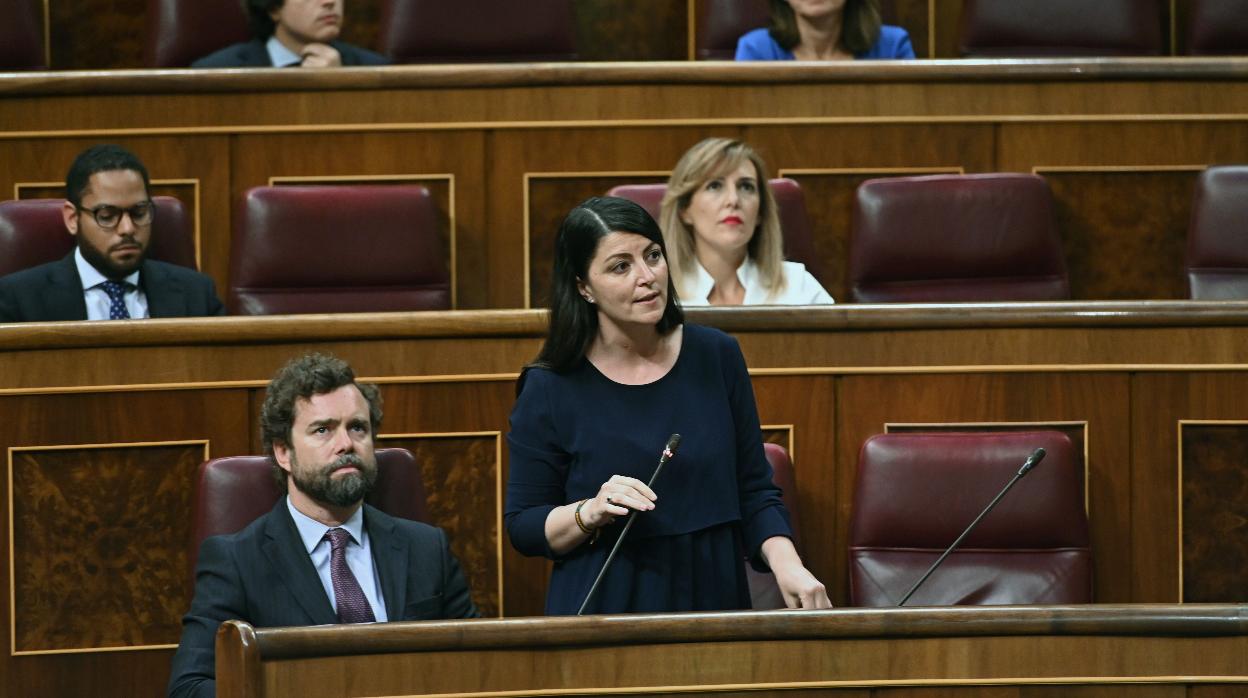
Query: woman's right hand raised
617,497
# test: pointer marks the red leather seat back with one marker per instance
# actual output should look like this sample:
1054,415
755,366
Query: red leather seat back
337,249
21,36
32,232
1021,28
799,239
719,23
182,31
236,490
956,238
1217,238
764,593
916,493
486,31
1217,28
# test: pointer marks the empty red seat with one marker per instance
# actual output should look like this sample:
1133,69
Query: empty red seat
21,35
181,31
1217,238
956,238
916,493
489,31
1217,27
1021,28
337,249
719,23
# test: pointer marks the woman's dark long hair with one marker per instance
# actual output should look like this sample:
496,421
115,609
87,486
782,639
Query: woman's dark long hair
574,320
860,25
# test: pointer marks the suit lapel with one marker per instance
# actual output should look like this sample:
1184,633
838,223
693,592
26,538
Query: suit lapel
390,557
63,296
165,296
286,553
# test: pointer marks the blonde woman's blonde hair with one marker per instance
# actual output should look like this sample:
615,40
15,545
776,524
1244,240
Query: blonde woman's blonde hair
718,157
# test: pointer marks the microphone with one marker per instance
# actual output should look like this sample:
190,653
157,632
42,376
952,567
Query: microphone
668,452
1031,462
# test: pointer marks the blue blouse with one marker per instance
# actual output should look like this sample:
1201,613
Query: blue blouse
757,45
716,502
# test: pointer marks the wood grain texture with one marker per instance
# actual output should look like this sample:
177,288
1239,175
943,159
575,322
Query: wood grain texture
94,529
1215,512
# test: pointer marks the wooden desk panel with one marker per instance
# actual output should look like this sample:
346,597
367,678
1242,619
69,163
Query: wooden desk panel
90,406
513,147
1114,650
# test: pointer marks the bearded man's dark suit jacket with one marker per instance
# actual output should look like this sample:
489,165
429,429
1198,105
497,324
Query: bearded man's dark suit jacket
254,54
52,292
263,575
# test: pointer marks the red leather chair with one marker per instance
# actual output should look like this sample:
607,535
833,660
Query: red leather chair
764,594
956,238
236,490
799,240
32,232
719,23
1217,238
917,492
337,249
182,31
1027,28
1217,27
486,31
21,36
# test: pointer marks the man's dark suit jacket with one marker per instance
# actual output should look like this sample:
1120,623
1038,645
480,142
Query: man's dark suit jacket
263,575
253,54
52,292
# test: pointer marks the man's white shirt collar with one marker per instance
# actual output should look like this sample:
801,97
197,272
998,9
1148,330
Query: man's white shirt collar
311,531
91,277
279,55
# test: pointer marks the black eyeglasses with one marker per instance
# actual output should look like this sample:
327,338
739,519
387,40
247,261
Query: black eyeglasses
109,217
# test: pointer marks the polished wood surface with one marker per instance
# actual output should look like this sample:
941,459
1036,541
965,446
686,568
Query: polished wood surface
1064,649
1151,393
508,149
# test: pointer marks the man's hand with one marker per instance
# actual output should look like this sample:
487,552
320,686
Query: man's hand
321,56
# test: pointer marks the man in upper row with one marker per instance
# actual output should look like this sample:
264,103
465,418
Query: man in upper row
290,33
109,210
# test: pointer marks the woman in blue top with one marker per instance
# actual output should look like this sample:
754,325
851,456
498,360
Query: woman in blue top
824,30
620,372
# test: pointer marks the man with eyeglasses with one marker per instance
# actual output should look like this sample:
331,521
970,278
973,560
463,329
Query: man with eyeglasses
109,211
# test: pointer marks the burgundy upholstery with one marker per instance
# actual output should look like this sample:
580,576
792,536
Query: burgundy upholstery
956,238
489,31
1036,28
1217,239
1217,27
917,492
337,249
236,490
721,22
182,31
32,232
799,239
21,35
764,594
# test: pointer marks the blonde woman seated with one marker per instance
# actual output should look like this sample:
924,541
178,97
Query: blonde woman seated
722,232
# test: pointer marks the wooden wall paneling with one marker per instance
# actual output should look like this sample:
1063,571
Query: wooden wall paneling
533,157
194,169
808,403
129,506
866,403
628,30
1124,230
1131,143
96,34
1160,403
830,162
1213,510
450,164
946,14
915,16
462,474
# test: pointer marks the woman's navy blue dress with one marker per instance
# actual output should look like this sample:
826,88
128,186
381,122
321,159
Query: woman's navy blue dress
716,502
